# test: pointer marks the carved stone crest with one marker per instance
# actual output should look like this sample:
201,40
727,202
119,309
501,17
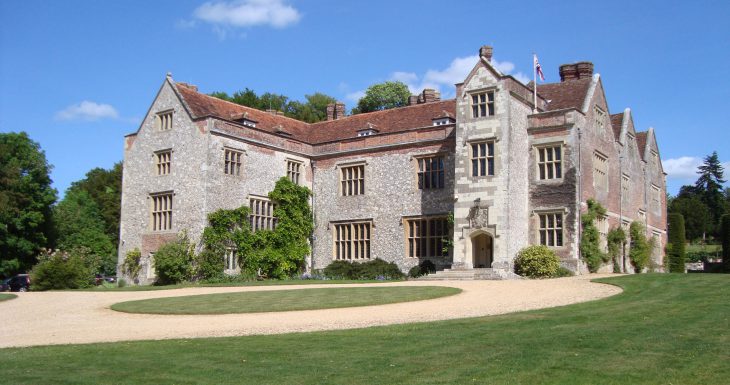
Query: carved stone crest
478,217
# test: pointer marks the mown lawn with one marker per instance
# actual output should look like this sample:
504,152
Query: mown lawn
5,296
284,300
664,329
268,282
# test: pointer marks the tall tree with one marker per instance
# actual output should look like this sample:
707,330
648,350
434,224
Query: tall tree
26,197
695,212
105,190
80,224
383,96
312,111
709,185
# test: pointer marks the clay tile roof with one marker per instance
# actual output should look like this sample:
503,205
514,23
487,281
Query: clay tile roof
202,105
567,94
393,120
641,142
444,114
617,120
386,121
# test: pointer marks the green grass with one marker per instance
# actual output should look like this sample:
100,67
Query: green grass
284,300
663,329
5,297
268,282
706,248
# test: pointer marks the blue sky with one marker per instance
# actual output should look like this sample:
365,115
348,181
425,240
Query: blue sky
78,75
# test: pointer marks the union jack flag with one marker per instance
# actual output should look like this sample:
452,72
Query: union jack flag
538,68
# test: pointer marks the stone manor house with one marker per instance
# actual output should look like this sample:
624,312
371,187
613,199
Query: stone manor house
385,183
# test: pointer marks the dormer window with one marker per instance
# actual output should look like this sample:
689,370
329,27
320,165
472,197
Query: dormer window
442,121
242,117
369,130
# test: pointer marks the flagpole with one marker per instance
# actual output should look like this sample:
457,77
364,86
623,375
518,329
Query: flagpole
534,83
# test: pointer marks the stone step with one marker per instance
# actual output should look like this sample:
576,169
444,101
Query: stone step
461,274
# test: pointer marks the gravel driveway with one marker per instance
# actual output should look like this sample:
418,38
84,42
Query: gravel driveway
49,318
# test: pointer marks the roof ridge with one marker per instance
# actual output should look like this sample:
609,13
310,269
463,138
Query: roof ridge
371,113
242,106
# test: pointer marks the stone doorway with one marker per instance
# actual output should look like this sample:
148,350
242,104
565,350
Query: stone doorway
482,248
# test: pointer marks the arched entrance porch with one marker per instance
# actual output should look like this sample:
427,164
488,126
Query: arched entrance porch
482,250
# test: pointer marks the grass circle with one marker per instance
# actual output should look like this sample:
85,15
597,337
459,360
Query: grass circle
283,300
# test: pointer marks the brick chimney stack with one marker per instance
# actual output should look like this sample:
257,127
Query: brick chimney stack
580,70
335,111
429,95
486,52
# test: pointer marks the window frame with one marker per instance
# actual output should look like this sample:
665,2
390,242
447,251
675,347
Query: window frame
483,107
559,163
164,120
603,172
230,260
352,240
160,220
294,174
431,241
354,185
489,166
625,189
233,157
262,217
554,230
599,120
423,174
163,162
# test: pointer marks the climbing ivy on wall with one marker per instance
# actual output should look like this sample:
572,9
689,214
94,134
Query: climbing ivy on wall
590,249
274,253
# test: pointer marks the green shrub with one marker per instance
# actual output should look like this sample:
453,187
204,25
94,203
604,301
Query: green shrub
725,234
173,262
590,249
424,268
375,269
536,261
121,282
131,265
616,239
640,247
340,270
563,272
379,269
210,264
61,270
677,239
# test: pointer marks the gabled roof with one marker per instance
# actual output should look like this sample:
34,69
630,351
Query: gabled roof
617,122
386,121
641,142
202,105
566,94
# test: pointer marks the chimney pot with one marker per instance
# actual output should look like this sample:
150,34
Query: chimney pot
584,69
568,72
339,110
331,111
430,95
486,52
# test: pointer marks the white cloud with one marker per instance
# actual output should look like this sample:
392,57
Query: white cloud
247,13
355,96
684,167
88,111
